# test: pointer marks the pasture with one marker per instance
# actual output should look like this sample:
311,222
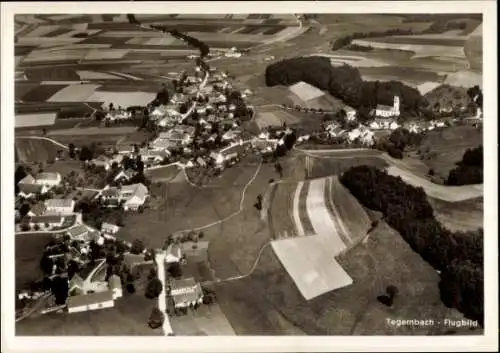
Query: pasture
318,167
162,173
207,320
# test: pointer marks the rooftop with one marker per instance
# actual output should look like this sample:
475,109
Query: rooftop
48,176
59,203
28,179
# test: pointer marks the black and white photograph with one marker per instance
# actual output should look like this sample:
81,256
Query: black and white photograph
274,171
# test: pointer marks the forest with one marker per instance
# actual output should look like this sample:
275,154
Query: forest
457,255
469,170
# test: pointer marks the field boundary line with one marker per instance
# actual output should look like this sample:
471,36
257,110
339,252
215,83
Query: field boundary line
162,298
296,216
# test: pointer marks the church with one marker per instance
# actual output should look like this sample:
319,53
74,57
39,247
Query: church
386,111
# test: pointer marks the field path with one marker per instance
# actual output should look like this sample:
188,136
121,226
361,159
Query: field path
42,138
162,298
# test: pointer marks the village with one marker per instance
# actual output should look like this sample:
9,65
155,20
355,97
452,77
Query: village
199,128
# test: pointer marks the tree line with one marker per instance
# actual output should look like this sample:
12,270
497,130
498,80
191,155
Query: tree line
457,255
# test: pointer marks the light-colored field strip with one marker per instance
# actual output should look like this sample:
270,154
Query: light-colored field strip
98,54
37,119
40,56
320,218
311,265
296,217
229,37
123,99
74,93
340,226
95,75
446,193
49,83
63,17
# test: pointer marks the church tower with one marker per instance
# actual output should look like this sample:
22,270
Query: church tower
395,106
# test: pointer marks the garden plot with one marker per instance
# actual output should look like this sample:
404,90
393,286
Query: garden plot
95,75
37,119
123,99
74,93
311,265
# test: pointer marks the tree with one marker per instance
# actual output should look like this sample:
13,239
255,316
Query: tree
175,270
137,247
279,169
46,264
154,288
19,174
60,287
86,154
156,318
24,209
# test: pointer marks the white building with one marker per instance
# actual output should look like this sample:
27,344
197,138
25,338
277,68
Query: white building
362,134
134,195
109,228
59,206
186,292
388,111
94,301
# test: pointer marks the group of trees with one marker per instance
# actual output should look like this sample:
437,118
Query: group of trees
469,170
457,255
399,141
345,83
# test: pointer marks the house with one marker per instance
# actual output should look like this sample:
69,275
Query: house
201,162
102,161
93,301
115,286
134,195
362,134
29,188
388,111
78,232
60,206
186,292
173,253
125,175
384,124
217,157
48,179
109,228
350,114
154,156
46,221
118,115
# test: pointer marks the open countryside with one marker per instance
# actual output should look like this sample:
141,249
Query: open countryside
248,174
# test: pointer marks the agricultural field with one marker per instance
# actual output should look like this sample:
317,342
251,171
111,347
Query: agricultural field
163,174
208,320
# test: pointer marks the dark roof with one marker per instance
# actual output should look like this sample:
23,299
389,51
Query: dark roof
39,209
384,107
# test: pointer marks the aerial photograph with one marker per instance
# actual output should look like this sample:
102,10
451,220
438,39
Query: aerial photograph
242,174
